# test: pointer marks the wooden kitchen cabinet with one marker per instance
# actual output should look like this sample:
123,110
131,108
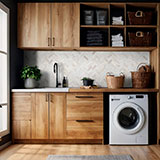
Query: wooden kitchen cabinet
22,104
34,25
57,115
65,25
84,116
48,25
40,116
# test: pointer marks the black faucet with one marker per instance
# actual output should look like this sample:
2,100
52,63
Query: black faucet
55,70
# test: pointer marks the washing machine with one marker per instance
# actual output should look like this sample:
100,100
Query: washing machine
128,119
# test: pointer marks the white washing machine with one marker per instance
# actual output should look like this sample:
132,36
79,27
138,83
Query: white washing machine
128,119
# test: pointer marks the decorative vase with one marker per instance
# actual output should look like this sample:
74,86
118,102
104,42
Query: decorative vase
30,83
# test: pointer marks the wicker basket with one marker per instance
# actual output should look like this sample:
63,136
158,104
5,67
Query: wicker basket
140,38
115,82
140,17
141,79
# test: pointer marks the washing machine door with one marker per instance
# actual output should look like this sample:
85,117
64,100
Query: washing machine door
128,118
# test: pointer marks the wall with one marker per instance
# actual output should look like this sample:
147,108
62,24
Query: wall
78,64
16,56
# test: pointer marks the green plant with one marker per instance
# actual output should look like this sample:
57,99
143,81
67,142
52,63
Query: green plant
30,72
86,78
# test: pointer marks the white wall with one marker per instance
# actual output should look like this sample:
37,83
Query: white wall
78,64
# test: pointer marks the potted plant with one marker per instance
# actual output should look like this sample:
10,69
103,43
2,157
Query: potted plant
30,75
87,81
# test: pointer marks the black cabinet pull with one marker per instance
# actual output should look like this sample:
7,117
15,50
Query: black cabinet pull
84,121
84,97
0,106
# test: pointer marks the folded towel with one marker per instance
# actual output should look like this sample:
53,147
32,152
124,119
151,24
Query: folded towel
117,23
116,43
117,18
116,36
117,39
119,45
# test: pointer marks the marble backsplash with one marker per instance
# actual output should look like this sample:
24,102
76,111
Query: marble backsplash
78,64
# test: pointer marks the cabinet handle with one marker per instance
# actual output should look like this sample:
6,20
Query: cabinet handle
84,120
53,43
48,41
51,98
46,97
0,106
84,96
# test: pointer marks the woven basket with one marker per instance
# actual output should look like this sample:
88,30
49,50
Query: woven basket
140,17
141,79
115,82
140,38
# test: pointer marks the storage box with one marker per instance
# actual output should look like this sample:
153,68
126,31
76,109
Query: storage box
140,38
88,17
101,17
140,17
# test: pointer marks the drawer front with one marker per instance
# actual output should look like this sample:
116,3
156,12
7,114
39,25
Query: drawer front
85,97
81,110
21,106
84,129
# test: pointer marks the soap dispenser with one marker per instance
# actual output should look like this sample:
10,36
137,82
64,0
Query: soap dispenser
64,82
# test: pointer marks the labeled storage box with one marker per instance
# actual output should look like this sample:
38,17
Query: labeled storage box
88,17
101,17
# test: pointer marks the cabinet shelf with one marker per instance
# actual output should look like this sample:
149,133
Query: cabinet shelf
116,48
118,26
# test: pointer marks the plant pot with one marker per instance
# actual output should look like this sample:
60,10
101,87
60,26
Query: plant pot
30,83
88,82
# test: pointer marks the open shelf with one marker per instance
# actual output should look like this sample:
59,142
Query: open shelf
118,21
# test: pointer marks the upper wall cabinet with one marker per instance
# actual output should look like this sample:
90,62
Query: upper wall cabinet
48,25
34,25
65,25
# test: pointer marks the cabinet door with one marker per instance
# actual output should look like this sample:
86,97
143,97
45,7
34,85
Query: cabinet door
40,116
57,115
34,25
21,129
66,25
21,115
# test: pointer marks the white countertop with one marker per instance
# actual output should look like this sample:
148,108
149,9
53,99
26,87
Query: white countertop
42,90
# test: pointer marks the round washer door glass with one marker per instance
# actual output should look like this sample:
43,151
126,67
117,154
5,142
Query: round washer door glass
128,118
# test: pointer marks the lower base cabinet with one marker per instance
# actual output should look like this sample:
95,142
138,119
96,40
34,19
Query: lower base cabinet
84,116
57,117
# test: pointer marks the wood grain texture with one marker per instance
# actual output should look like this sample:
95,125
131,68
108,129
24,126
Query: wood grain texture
84,116
158,74
85,110
85,130
34,24
21,129
78,90
41,152
66,24
21,106
57,115
40,117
